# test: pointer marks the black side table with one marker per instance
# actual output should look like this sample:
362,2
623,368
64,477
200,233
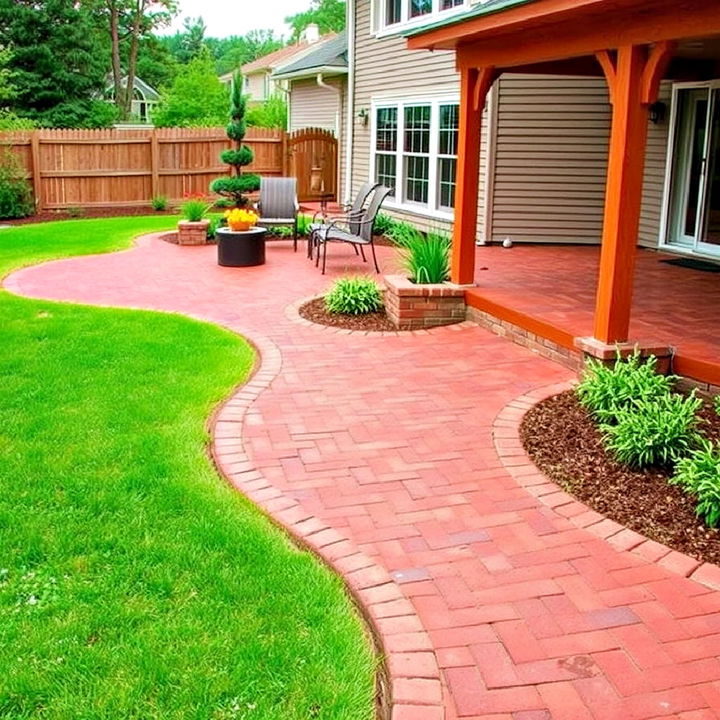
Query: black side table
241,248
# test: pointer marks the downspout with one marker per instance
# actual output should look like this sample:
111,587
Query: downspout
338,91
350,112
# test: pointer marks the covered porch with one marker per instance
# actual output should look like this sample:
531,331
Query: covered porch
613,294
550,290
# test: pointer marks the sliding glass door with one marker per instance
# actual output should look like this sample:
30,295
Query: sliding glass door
693,221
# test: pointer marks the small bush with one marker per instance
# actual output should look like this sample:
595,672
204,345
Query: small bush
716,403
194,208
699,475
16,199
399,231
656,431
606,391
75,211
304,222
215,223
426,259
353,296
383,224
159,203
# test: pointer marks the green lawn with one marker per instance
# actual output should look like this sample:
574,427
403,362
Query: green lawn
134,584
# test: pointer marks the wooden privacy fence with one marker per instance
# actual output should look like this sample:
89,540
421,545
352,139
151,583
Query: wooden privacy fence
86,168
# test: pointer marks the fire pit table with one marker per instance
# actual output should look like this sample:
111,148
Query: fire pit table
241,248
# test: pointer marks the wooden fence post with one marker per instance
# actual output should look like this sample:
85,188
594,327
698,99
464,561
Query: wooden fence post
154,163
284,152
36,169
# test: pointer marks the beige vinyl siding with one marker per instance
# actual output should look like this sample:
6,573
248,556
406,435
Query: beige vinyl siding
314,106
256,86
384,68
551,160
654,179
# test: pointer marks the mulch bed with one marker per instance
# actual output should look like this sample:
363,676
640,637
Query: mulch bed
315,311
54,215
564,442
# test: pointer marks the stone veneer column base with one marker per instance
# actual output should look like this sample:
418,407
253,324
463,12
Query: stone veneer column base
607,353
192,233
412,306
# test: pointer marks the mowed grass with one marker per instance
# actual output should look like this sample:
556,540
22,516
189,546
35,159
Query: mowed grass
134,584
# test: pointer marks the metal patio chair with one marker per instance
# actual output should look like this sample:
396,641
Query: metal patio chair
350,212
278,205
357,231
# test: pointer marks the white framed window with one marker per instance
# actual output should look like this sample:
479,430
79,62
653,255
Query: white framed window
395,15
414,152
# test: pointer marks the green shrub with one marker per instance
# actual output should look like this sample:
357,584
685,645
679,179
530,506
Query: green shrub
383,224
425,258
215,223
605,391
269,114
353,296
159,203
194,208
16,199
716,403
304,222
699,475
399,231
656,431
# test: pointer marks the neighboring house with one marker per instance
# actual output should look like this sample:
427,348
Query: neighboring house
544,147
259,85
145,99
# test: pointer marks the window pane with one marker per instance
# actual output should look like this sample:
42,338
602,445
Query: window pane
386,130
416,179
447,4
417,129
446,182
385,171
392,11
449,122
420,7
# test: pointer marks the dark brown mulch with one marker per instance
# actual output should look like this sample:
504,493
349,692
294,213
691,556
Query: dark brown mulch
565,443
53,215
315,311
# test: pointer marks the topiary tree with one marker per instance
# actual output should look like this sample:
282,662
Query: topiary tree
239,183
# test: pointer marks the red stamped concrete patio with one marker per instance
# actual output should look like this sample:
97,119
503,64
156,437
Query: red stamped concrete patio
531,607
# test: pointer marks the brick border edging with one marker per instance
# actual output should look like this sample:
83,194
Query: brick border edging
292,313
508,445
410,667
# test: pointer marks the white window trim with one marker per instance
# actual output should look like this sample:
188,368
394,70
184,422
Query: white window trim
432,209
378,14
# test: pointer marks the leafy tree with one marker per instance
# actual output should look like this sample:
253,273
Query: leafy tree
155,65
270,114
328,15
196,97
240,155
58,62
193,39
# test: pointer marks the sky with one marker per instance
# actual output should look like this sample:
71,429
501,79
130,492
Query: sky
237,17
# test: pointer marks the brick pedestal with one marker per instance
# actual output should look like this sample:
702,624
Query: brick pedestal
193,233
411,306
607,354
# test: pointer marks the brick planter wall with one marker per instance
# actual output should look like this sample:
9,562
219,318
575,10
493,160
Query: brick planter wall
411,306
192,233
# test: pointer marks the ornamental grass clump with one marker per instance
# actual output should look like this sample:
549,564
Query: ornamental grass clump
239,183
607,391
426,259
195,207
353,296
654,431
699,475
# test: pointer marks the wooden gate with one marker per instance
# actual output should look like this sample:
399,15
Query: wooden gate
313,156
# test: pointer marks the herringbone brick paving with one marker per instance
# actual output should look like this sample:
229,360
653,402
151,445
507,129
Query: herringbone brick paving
388,440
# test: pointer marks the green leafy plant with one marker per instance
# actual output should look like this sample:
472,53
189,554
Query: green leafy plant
353,296
215,223
238,183
699,475
270,114
303,224
605,391
195,207
75,211
399,231
159,203
425,258
654,431
716,404
383,224
16,198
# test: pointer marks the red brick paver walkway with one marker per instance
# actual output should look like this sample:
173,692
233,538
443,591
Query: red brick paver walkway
388,440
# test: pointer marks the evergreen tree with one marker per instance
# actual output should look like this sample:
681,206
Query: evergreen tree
328,15
238,183
58,63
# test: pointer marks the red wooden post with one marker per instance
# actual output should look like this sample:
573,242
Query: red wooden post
623,193
474,86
